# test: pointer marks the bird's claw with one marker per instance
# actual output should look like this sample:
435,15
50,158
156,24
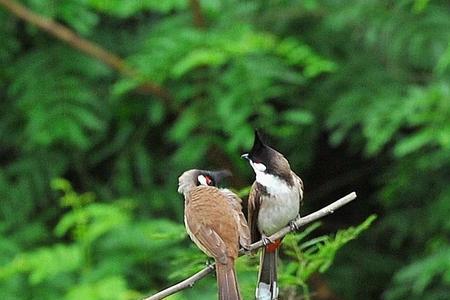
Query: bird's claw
266,240
293,225
245,249
209,261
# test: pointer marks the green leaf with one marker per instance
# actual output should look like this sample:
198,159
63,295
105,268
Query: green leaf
125,9
414,143
317,254
113,287
198,58
45,263
185,124
301,117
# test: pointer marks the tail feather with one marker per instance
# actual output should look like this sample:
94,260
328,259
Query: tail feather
267,287
227,282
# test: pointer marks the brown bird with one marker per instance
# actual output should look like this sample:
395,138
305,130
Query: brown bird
214,220
273,203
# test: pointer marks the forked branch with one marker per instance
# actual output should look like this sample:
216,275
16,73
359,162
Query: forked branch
189,282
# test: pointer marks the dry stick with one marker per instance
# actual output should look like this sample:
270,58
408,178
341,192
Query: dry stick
189,282
196,8
63,33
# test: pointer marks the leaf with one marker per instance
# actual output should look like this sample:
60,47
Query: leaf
444,61
191,151
58,107
197,58
415,142
113,287
185,124
125,9
301,117
156,112
45,263
419,275
297,53
317,254
96,219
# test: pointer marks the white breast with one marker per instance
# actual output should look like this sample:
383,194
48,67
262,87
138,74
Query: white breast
279,207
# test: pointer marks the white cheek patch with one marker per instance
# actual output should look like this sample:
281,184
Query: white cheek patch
202,180
259,167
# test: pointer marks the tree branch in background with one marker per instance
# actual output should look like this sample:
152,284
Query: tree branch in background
189,282
67,35
196,8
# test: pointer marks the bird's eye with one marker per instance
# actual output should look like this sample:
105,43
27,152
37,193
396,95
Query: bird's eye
209,180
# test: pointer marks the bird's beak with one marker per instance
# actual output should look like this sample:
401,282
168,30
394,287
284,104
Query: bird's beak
245,156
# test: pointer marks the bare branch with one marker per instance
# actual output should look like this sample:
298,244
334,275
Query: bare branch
189,282
92,49
327,210
196,8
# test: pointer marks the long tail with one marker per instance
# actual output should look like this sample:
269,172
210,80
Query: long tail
227,282
267,287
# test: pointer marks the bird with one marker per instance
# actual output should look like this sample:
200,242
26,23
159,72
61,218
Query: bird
215,222
273,203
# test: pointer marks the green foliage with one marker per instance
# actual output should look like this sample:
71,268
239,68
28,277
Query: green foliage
125,9
338,86
82,266
415,280
45,263
61,111
400,106
315,254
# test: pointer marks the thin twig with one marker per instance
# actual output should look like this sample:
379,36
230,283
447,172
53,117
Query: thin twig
196,8
189,282
92,49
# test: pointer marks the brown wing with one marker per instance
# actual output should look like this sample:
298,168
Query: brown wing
254,202
206,238
244,231
299,183
211,220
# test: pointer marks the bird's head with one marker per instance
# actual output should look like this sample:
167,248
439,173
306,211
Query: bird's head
266,160
195,177
211,178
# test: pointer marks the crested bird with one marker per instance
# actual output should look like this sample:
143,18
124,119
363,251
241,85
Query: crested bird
274,202
214,221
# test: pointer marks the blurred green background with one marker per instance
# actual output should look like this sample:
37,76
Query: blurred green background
355,93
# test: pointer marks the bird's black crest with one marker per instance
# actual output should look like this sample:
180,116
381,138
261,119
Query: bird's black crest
259,147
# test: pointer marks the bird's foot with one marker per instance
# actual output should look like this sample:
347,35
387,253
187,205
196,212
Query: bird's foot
209,261
293,224
266,240
245,249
